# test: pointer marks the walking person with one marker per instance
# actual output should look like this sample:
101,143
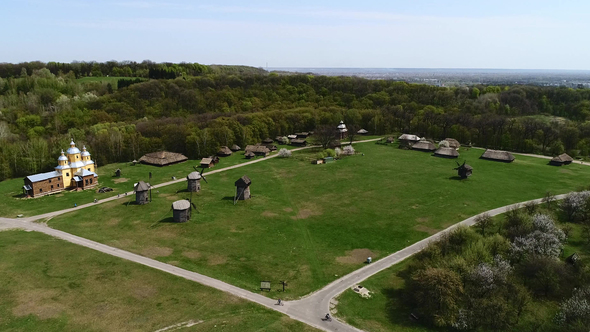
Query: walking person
279,302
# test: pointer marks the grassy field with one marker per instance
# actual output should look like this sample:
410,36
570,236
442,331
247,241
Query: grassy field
51,285
12,202
386,310
309,224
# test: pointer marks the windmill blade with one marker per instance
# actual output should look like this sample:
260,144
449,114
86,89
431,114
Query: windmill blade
203,175
193,206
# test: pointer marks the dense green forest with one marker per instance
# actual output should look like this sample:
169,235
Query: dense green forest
193,109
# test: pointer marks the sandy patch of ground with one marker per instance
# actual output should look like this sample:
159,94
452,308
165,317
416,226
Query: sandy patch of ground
192,254
233,229
356,256
216,259
143,291
308,210
565,171
120,180
288,209
113,221
38,302
269,214
153,252
425,229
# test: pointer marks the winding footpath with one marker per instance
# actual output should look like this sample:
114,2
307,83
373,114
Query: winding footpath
309,309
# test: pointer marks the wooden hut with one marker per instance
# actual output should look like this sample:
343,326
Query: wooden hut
271,147
194,182
407,140
291,136
283,140
162,158
118,172
207,163
181,211
453,143
446,153
498,155
562,159
235,148
249,155
362,132
298,142
424,146
259,150
303,134
142,195
243,188
224,152
267,141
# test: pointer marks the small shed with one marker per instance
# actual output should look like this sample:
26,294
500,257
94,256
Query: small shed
298,142
235,148
446,153
424,146
243,188
249,155
271,147
194,182
498,155
181,211
362,132
224,152
562,159
142,195
453,143
207,163
162,158
267,140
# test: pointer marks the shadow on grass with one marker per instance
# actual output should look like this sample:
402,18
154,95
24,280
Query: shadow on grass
228,198
456,178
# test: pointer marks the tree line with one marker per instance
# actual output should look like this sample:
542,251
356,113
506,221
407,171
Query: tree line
195,115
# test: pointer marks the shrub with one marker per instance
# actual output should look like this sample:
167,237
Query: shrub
575,311
330,153
284,153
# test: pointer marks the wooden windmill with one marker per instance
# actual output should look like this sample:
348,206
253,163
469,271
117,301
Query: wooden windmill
464,171
242,189
202,171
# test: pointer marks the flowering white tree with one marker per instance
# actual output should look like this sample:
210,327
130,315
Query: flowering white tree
573,204
545,240
576,309
489,276
338,152
444,144
348,150
284,153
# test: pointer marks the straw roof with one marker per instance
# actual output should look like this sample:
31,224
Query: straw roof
235,148
424,146
267,141
291,136
206,161
224,151
244,181
408,137
446,152
249,154
497,155
162,158
453,143
257,149
181,205
563,158
298,141
194,176
362,131
142,186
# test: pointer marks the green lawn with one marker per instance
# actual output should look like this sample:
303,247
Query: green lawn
386,310
12,202
51,285
309,224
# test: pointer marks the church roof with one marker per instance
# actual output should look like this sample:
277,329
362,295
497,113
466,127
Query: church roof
89,162
84,172
84,152
77,164
62,157
63,167
43,176
73,149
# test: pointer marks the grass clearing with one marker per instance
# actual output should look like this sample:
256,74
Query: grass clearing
303,217
52,285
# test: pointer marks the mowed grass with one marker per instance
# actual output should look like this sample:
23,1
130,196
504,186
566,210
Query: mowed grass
51,285
310,224
12,202
386,309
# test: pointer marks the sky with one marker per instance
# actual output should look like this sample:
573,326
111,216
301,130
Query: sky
503,34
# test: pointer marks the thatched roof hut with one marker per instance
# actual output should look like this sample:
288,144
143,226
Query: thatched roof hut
267,141
424,146
259,150
407,140
362,132
181,211
299,142
446,153
303,134
498,155
224,152
249,155
235,148
162,158
453,143
243,188
207,162
271,147
282,140
291,136
562,159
